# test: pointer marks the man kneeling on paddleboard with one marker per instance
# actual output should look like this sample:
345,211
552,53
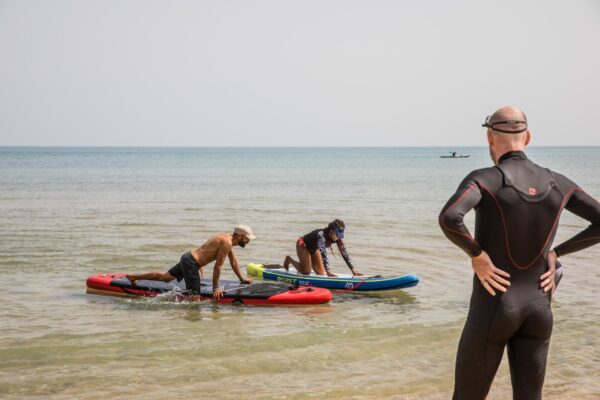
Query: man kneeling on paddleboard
216,248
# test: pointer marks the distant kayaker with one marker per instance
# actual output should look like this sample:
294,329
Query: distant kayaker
312,250
216,248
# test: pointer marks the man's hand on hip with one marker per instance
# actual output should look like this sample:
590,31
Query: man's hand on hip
548,279
489,276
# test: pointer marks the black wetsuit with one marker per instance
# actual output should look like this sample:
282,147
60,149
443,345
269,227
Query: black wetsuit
518,205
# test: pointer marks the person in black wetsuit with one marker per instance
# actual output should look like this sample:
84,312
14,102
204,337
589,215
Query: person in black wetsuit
517,205
312,250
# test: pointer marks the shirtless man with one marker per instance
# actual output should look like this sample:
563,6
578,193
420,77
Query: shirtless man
216,248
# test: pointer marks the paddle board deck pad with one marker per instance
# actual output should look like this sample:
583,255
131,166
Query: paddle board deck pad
345,282
235,292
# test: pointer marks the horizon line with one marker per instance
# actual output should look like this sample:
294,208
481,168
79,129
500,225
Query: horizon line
274,147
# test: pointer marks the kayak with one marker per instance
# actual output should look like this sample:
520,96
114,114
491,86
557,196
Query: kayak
345,282
467,156
235,292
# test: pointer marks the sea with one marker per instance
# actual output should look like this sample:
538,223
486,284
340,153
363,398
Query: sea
69,212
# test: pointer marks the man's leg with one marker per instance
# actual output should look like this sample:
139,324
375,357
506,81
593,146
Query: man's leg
487,330
191,273
477,361
174,273
150,276
528,352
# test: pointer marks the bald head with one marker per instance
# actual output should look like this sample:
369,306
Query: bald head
507,131
508,119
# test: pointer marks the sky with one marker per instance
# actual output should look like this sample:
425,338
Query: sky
295,73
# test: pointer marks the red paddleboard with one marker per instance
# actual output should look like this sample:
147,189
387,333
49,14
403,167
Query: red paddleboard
235,292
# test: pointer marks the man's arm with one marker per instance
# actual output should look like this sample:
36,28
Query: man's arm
235,266
467,196
585,206
221,254
451,219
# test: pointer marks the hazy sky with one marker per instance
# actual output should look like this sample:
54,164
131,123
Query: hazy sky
295,73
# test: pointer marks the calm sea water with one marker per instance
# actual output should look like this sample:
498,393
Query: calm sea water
66,213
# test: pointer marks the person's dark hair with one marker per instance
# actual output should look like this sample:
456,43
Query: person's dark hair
336,224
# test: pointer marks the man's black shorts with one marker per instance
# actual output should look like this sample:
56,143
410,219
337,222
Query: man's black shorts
187,269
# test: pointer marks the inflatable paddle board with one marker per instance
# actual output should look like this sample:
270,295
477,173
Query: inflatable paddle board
341,282
235,292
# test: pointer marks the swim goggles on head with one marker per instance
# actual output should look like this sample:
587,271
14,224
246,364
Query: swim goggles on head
492,126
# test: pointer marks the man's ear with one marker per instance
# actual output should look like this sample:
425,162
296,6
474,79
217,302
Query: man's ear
527,138
490,138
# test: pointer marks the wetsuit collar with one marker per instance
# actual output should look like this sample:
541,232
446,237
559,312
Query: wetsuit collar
512,154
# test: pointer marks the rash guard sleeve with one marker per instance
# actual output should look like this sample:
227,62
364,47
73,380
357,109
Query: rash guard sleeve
344,253
451,218
585,206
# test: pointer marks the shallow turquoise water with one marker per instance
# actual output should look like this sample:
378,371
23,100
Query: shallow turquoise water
66,213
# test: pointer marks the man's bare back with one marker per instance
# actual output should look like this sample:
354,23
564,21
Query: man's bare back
208,252
218,248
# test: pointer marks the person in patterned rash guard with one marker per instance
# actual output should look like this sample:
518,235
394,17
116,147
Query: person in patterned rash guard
312,250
